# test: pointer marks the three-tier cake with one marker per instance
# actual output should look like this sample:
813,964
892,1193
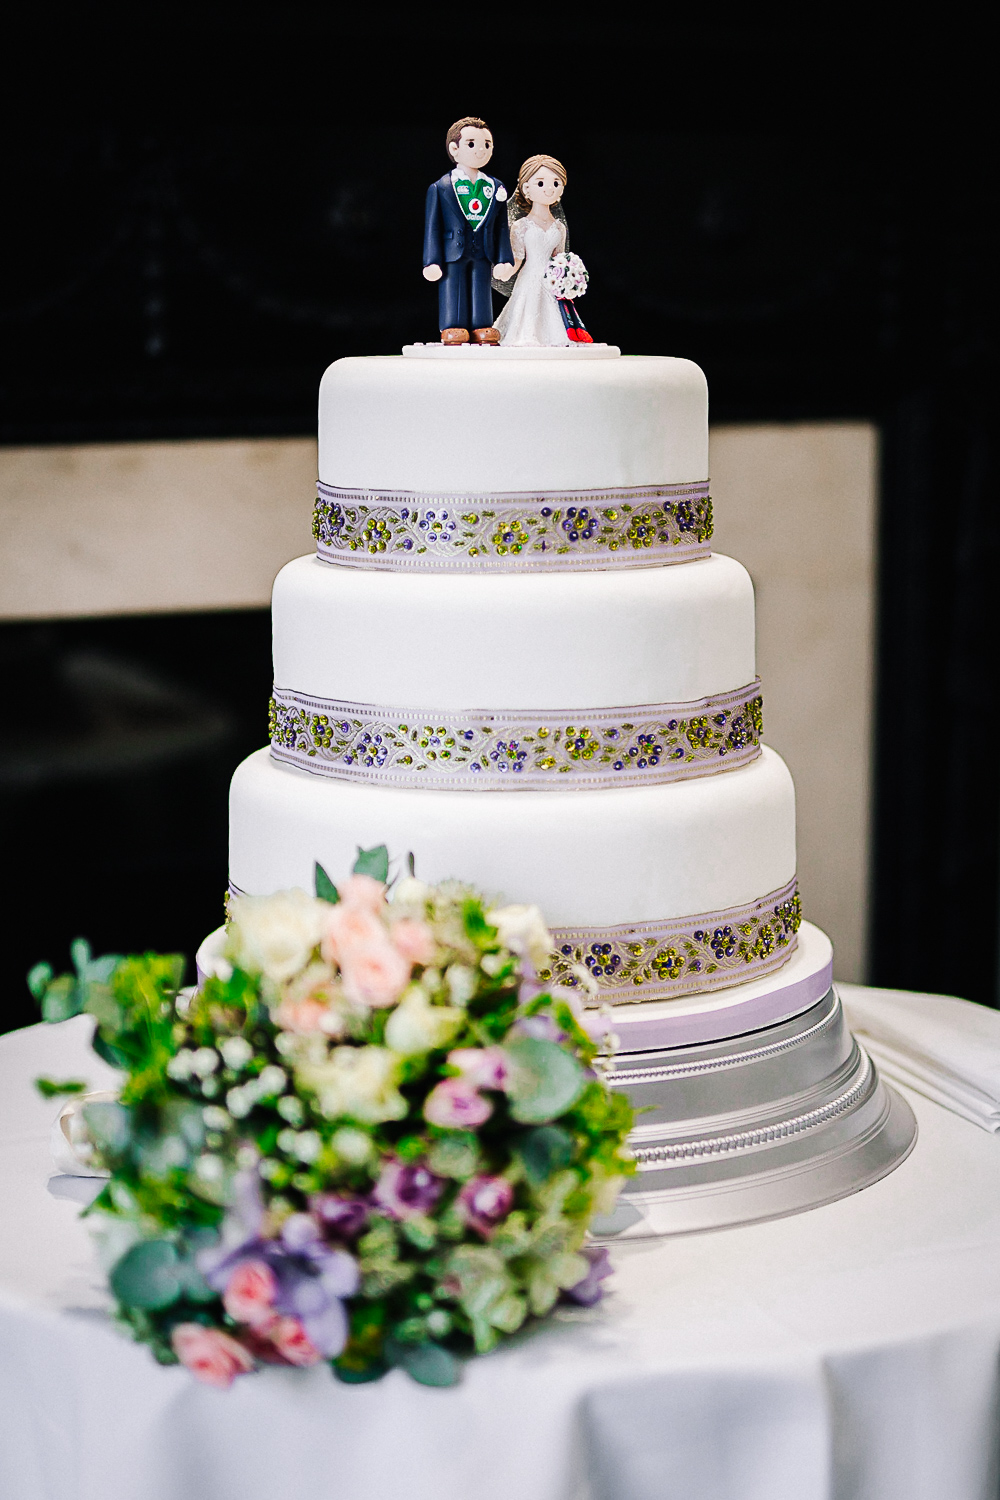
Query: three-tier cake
515,655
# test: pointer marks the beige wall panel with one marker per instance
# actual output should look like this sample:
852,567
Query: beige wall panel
134,528
796,504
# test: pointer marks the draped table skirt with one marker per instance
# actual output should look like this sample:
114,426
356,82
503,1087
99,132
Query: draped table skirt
848,1353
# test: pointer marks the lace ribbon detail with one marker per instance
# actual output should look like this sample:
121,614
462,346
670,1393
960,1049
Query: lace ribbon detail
640,527
517,750
682,956
679,956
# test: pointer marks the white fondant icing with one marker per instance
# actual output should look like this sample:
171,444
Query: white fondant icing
480,426
574,641
586,858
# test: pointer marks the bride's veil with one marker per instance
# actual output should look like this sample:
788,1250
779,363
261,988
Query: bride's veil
514,212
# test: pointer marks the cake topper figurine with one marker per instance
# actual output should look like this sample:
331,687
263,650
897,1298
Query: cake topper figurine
541,309
466,236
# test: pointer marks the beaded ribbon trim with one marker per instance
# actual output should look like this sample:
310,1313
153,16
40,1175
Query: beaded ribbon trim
681,956
516,750
640,527
684,956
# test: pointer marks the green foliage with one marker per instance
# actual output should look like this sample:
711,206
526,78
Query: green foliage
546,1080
543,1152
325,888
148,1276
52,1088
373,862
427,1363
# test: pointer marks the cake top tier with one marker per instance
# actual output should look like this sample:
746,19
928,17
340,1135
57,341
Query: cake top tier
477,426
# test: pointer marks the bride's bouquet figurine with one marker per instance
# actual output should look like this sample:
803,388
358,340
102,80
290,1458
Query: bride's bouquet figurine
547,278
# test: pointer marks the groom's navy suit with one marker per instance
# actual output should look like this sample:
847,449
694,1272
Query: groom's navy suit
465,254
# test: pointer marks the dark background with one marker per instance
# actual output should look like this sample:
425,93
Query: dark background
204,208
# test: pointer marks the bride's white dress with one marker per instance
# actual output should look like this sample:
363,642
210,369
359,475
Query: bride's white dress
532,315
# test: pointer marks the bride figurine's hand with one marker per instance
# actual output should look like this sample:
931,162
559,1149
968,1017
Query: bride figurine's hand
503,272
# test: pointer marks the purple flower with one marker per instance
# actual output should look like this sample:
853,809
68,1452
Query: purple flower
456,1104
542,1027
590,1291
407,1189
343,1217
484,1202
483,1067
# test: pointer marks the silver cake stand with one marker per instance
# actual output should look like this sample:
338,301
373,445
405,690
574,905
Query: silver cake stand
755,1126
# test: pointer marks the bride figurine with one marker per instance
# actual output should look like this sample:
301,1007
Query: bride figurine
533,316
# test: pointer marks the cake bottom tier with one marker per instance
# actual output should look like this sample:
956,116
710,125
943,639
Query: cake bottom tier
754,1127
588,859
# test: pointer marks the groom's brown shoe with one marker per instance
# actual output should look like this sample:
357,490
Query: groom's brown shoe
487,335
454,335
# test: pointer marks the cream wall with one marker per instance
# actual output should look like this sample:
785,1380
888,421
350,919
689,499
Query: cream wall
146,527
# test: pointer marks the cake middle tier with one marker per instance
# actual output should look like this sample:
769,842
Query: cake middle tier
530,641
588,859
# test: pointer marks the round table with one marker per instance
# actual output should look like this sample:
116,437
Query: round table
847,1353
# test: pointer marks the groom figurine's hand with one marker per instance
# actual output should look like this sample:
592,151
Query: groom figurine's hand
434,273
502,272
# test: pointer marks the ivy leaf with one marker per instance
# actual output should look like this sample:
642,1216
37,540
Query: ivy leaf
545,1082
325,888
148,1276
544,1151
373,862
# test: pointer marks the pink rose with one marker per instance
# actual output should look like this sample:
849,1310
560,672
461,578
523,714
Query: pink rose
211,1355
293,1343
250,1293
457,1105
364,891
349,928
307,1017
484,1201
375,975
483,1067
414,940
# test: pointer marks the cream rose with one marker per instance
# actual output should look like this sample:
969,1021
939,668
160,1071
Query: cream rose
274,935
359,1082
522,929
416,1026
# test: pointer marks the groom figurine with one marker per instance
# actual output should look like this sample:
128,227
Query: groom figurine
466,238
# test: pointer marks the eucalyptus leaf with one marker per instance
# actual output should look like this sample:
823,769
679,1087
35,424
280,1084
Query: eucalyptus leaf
62,999
39,979
427,1364
100,1002
545,1081
373,862
325,888
110,1054
51,1088
109,1125
544,1151
148,1276
79,952
100,970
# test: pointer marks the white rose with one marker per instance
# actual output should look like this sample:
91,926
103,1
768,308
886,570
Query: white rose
416,1026
410,892
522,929
274,935
359,1082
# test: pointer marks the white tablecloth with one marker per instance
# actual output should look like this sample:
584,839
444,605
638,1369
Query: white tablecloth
850,1353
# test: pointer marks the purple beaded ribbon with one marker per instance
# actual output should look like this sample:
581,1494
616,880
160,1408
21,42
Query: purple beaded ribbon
643,961
683,956
514,750
643,526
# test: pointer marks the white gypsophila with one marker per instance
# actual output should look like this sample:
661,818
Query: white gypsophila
359,1082
216,1118
236,1052
240,1101
271,1081
204,1062
352,1145
275,935
522,929
416,1026
179,1066
461,982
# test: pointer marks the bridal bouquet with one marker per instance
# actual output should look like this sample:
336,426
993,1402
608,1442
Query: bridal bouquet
566,276
371,1137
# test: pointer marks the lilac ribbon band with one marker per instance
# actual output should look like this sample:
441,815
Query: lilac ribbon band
681,956
517,750
642,526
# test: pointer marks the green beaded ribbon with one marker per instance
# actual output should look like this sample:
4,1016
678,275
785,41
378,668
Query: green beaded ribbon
684,956
643,526
514,750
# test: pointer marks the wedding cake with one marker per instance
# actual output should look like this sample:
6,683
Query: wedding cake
515,655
